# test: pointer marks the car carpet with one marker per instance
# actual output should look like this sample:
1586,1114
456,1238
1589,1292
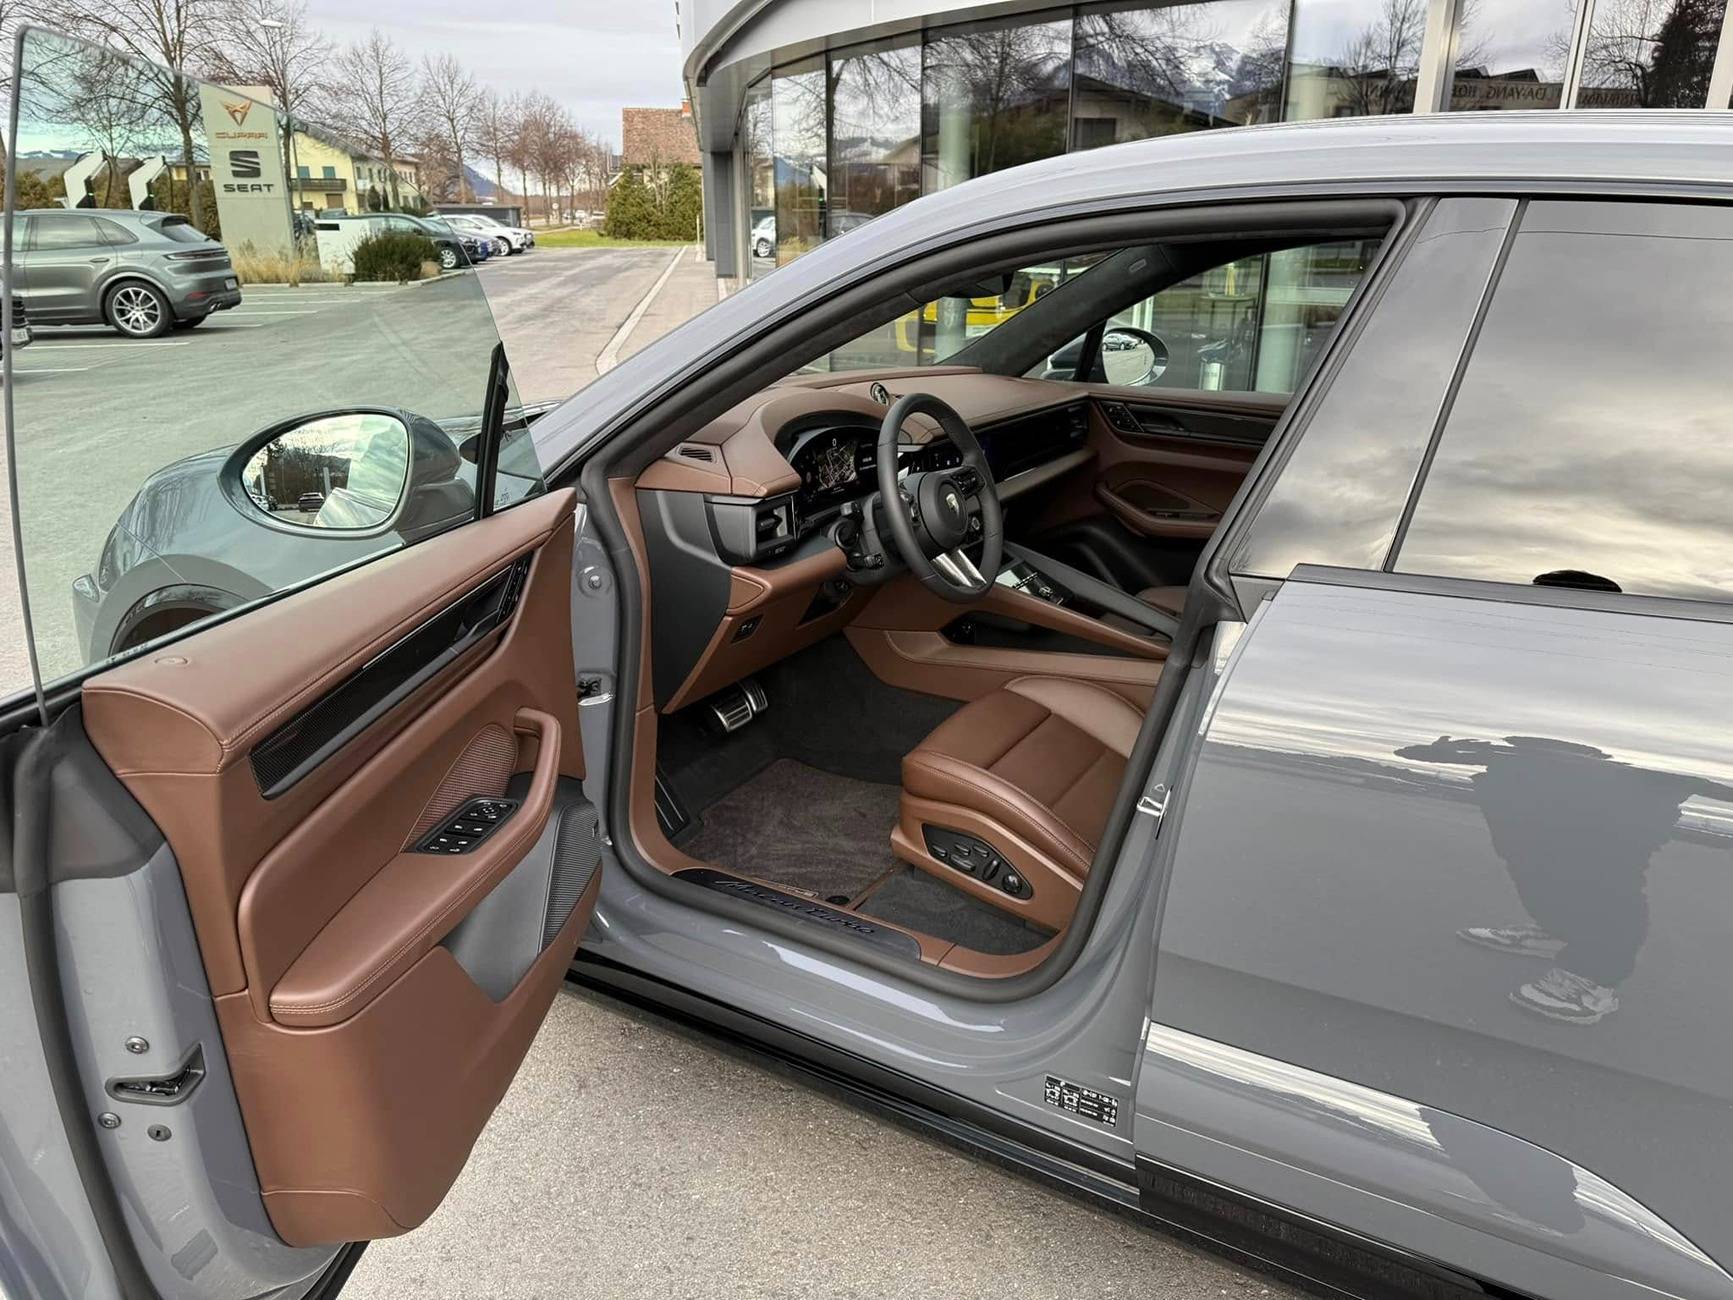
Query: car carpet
793,824
916,900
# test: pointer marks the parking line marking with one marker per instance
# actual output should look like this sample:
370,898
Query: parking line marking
237,311
52,370
62,345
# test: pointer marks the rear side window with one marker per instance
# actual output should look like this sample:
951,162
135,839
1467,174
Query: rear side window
1590,442
115,233
182,231
65,232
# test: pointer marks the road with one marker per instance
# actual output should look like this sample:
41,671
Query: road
633,1160
96,414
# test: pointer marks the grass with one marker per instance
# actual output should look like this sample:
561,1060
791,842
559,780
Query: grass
254,267
596,239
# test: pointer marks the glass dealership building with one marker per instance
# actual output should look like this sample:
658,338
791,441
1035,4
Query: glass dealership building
816,115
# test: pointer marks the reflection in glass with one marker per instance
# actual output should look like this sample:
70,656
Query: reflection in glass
1588,446
1183,67
797,131
343,472
1650,53
1354,58
1511,54
759,161
994,97
1254,324
119,457
875,134
1338,498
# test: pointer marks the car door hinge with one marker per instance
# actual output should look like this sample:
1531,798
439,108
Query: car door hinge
1154,804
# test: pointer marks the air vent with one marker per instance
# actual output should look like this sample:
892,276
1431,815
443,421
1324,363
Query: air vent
704,454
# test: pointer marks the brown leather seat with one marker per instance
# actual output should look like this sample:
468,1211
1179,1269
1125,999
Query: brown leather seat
1037,763
1170,600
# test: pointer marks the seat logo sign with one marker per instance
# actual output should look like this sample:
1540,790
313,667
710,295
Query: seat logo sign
247,168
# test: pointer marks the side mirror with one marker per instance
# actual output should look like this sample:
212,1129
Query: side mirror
345,472
1131,357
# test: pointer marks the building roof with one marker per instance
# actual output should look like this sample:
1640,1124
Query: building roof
658,135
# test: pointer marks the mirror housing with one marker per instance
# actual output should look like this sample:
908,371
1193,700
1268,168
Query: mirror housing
334,472
1130,357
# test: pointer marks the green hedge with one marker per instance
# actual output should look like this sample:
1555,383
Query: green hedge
655,203
393,255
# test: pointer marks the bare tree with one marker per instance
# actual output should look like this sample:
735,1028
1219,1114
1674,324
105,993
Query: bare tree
492,131
451,104
272,43
177,37
377,101
1382,63
1651,53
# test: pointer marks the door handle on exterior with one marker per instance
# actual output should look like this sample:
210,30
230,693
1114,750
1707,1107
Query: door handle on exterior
100,261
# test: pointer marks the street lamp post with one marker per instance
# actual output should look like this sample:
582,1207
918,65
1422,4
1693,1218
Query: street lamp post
280,67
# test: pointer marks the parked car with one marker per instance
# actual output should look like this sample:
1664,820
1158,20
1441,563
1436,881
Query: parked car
764,237
456,248
1296,812
21,334
143,273
511,239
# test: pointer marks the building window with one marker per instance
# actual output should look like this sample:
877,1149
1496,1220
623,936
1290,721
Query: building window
1587,444
1511,54
303,172
797,131
1650,53
759,161
875,133
1354,58
994,97
1185,67
329,173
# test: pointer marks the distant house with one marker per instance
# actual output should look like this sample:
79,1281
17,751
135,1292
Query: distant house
658,136
333,174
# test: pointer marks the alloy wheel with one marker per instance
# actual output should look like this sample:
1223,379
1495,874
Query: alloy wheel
136,310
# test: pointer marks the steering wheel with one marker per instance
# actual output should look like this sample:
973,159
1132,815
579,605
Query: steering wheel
934,517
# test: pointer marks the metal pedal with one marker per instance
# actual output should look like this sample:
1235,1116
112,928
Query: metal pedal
738,705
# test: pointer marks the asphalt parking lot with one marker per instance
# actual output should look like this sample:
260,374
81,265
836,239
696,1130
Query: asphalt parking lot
632,1159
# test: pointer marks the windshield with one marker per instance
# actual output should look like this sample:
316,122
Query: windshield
136,392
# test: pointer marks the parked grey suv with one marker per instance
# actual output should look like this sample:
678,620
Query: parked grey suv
144,273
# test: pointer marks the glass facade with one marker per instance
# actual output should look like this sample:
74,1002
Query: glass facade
830,142
993,97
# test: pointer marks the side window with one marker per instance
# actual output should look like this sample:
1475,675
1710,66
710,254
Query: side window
57,233
113,233
1339,497
236,463
1254,325
1588,443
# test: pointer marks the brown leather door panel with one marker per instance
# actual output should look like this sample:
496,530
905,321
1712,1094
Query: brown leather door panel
365,1057
1165,484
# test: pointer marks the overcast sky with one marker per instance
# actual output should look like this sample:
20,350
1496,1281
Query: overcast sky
594,56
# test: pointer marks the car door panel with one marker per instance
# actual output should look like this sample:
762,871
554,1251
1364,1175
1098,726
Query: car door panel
365,1056
1166,467
1383,767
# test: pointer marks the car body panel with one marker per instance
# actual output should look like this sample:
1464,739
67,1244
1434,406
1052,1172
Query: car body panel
1385,768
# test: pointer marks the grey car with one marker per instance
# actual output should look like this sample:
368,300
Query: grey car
1287,798
143,273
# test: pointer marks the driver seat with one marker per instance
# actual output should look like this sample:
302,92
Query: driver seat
1008,798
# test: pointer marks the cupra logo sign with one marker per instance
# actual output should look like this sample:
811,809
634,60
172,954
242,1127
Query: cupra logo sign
238,111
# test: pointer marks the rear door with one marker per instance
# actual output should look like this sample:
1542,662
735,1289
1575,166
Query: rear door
1443,951
65,255
296,875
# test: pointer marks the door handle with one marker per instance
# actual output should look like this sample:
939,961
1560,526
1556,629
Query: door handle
100,261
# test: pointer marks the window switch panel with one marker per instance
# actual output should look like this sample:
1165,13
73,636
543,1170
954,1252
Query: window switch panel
468,826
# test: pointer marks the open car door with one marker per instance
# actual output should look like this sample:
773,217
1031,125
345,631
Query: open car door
298,844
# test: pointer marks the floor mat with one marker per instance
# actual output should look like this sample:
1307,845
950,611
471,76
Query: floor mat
795,825
923,902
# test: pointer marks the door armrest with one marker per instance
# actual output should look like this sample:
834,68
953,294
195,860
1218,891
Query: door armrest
411,903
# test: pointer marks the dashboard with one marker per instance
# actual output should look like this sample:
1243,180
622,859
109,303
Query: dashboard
839,463
837,457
